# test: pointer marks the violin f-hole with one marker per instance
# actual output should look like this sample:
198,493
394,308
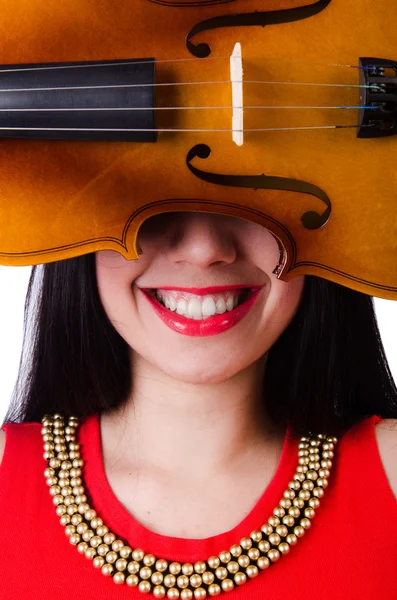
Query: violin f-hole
310,219
255,19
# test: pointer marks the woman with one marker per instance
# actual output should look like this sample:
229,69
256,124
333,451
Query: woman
189,427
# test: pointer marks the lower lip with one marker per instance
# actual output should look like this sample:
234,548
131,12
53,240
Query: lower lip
206,327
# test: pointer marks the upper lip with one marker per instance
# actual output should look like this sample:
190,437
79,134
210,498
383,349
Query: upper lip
204,291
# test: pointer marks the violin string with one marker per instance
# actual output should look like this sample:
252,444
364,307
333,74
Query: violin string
171,84
172,130
158,108
172,60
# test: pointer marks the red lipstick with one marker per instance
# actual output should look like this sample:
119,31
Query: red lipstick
209,326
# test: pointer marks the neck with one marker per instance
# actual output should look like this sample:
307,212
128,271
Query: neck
201,430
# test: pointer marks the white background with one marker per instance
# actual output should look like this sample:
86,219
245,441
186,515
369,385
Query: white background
13,287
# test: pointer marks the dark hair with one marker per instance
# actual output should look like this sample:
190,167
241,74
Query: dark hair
326,372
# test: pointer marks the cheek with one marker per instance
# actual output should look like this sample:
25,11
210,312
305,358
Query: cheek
115,276
282,304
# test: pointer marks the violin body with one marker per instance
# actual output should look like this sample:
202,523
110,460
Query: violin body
328,195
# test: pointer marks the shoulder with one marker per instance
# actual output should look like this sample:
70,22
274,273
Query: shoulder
386,437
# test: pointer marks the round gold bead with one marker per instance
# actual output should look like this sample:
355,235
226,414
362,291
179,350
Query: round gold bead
55,490
119,578
200,567
243,561
208,577
267,529
284,548
169,581
90,553
159,591
60,510
70,529
88,535
77,519
107,569
246,543
221,573
133,567
282,530
102,530
274,555
214,562
173,593
144,587
64,520
214,590
157,578
200,594
186,594
82,547
149,560
227,585
274,521
236,550
274,539
98,562
256,536
187,569
161,565
289,520
175,568
125,551
95,541
263,562
103,549
299,531
182,581
96,522
240,578
111,557
264,546
293,512
318,492
82,528
109,538
252,571
233,567
138,554
74,539
132,580
306,523
291,539
121,564
145,572
90,514
253,554
196,580
225,557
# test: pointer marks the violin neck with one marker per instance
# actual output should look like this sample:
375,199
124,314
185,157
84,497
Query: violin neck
96,100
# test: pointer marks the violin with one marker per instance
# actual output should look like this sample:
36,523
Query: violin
282,112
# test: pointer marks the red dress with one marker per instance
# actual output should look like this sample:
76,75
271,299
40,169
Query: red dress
349,553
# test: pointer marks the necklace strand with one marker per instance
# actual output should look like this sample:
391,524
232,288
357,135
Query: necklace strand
172,579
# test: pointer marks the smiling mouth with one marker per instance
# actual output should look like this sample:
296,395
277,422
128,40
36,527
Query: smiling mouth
200,306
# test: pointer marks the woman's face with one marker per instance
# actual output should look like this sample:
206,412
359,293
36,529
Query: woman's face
198,250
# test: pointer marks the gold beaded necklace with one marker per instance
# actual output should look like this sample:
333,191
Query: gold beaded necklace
222,573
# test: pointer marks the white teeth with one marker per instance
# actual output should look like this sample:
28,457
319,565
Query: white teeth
181,307
198,307
220,306
209,308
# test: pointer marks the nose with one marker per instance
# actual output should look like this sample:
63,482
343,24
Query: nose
202,239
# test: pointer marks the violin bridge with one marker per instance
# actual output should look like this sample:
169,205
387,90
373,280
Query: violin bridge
236,76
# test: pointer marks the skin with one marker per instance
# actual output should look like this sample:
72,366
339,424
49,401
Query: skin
191,390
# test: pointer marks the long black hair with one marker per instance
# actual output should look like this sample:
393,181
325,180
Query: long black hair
326,372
